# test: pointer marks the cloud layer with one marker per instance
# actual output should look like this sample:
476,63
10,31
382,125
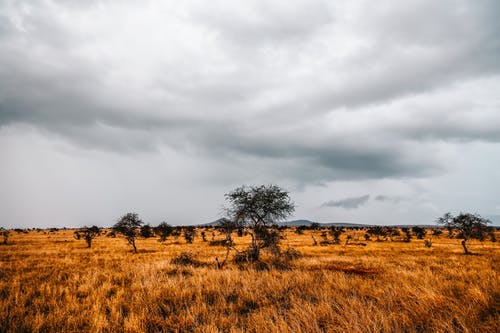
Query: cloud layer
294,92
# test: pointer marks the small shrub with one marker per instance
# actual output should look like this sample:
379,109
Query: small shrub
189,233
437,232
187,259
291,254
219,242
336,232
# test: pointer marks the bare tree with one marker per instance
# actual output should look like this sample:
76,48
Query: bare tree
88,234
469,226
129,225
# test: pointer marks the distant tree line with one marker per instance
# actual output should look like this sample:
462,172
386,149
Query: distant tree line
257,211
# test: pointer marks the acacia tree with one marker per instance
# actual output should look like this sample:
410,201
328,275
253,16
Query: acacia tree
88,234
259,207
129,225
469,226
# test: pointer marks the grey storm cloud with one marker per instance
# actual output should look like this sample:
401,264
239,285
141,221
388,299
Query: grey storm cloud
312,91
348,203
389,198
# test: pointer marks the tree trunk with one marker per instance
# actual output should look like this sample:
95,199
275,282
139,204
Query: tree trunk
133,244
254,242
465,247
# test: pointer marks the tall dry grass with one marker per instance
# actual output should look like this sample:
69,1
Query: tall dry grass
50,282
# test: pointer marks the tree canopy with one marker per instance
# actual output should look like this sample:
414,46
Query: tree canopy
259,205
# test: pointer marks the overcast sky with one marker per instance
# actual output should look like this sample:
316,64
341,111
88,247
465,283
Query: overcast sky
382,112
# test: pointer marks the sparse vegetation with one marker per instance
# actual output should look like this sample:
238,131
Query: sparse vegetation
50,283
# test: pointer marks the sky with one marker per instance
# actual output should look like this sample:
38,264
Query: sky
367,112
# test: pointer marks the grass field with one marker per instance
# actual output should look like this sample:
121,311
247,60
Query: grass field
50,282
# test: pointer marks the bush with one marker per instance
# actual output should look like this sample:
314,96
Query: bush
5,234
146,231
291,254
219,242
419,232
336,232
187,259
189,233
164,230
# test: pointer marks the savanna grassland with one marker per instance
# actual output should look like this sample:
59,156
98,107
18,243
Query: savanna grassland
51,282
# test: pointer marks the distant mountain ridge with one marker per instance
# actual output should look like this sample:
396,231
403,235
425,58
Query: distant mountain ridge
296,223
303,222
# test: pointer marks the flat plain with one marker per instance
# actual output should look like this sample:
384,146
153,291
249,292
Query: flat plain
51,282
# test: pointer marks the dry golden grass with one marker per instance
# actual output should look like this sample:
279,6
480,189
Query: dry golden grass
50,282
